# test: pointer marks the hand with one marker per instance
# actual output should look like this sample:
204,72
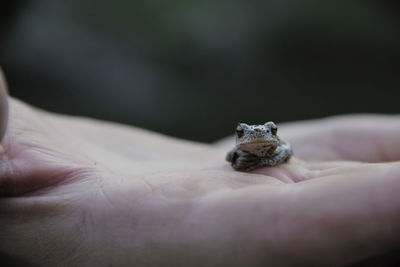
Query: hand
83,192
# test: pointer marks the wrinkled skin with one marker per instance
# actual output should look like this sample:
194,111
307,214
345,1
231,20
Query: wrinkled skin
82,192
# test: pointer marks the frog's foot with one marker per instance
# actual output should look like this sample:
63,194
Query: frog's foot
283,155
245,162
231,155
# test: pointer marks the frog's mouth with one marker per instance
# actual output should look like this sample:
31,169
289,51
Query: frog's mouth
255,145
259,141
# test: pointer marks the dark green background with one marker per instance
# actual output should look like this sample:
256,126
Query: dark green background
193,69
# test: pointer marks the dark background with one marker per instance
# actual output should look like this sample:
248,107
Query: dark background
193,69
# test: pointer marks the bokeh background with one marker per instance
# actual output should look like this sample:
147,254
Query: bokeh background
194,69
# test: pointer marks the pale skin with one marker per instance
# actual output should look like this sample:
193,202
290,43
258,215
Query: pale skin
82,192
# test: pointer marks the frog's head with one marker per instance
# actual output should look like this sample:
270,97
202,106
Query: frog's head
260,140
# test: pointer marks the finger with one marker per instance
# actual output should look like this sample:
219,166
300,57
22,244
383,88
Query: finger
368,138
354,216
3,106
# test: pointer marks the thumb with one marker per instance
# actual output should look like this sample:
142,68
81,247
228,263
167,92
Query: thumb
3,105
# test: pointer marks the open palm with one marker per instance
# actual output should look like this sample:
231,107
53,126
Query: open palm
81,192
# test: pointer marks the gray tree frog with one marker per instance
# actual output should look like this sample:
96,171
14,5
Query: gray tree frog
258,146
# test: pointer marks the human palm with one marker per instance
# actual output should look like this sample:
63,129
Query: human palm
81,192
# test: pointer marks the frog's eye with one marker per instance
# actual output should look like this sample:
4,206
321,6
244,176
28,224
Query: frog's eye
274,130
239,131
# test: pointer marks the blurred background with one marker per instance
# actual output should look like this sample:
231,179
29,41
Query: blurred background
194,69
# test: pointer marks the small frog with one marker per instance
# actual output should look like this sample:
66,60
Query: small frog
258,146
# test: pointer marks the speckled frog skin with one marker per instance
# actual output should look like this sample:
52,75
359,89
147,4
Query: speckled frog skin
258,146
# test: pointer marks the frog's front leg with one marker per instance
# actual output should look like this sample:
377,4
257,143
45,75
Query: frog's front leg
244,161
231,155
283,154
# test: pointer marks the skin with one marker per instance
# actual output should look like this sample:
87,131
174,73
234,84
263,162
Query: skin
77,191
258,146
3,105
